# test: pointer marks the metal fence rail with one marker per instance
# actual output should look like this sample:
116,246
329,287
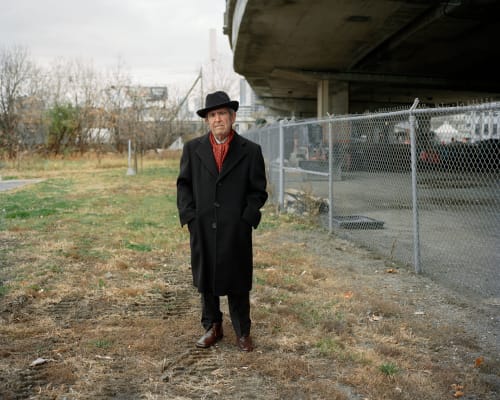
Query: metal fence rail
420,186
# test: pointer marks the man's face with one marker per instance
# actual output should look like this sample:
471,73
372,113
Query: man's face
220,122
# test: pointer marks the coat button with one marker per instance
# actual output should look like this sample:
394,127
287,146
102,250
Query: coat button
216,205
214,225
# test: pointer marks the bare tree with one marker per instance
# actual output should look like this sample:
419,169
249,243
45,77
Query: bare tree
114,103
87,87
18,77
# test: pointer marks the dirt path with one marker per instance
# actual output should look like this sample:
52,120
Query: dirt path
15,183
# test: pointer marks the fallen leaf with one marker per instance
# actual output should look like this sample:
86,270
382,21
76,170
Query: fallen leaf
348,295
419,313
479,361
391,271
103,357
375,317
40,361
458,394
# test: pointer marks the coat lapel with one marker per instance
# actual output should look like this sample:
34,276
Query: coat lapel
206,155
234,155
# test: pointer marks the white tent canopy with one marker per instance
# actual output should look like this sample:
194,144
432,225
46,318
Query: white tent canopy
178,144
447,133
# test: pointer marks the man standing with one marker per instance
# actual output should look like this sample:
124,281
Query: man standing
220,189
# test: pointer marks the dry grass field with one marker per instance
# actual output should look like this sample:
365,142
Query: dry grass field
96,302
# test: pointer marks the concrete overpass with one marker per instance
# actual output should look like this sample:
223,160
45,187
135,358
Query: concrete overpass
310,57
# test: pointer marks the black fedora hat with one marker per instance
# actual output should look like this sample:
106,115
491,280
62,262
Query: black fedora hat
217,100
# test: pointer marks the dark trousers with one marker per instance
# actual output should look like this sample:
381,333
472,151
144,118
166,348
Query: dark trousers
239,311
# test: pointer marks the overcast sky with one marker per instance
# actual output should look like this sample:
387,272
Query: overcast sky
158,41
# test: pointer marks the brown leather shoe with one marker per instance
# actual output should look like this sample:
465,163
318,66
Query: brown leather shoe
245,343
212,336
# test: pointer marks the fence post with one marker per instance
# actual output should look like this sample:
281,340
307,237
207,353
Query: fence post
330,177
413,144
130,170
281,193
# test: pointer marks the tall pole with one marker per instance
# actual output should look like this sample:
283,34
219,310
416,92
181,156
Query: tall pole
416,229
176,111
213,55
330,177
281,185
201,95
130,170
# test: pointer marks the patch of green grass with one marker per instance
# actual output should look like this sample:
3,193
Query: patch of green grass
35,287
3,290
258,280
137,246
34,204
301,227
140,223
276,329
160,172
308,312
389,369
86,248
30,213
101,343
269,221
290,281
55,269
328,346
311,314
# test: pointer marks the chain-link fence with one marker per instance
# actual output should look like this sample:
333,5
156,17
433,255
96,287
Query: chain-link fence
420,186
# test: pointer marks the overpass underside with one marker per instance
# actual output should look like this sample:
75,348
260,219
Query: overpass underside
311,57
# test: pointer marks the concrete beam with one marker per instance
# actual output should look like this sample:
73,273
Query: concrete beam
293,107
430,82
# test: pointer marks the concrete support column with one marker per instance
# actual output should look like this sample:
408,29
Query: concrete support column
333,98
339,98
323,98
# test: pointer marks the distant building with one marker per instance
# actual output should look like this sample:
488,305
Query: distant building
467,127
484,125
250,109
152,95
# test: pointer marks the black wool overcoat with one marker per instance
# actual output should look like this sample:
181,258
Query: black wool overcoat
220,210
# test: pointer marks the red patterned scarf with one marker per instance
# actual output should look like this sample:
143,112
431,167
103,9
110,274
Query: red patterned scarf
220,149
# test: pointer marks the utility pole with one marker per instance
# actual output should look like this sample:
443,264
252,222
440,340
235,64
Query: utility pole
174,115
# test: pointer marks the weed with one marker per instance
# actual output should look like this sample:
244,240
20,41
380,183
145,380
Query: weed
3,290
276,329
55,269
328,346
280,298
258,280
137,246
101,343
141,223
389,369
309,313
